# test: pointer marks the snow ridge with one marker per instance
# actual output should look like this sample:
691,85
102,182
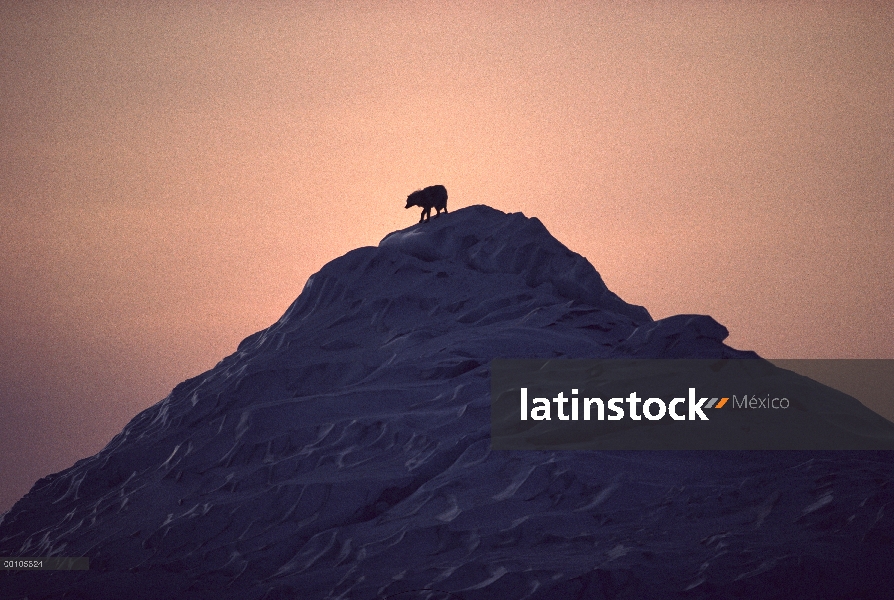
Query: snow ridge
344,452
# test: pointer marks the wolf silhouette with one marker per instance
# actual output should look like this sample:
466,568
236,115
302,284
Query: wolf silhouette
434,196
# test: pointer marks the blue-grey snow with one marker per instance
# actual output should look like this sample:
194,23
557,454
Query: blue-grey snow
344,452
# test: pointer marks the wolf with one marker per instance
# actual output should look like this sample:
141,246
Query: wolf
434,196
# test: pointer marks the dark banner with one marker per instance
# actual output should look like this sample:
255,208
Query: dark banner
648,404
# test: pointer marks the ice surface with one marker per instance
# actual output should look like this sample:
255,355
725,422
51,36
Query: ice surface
344,453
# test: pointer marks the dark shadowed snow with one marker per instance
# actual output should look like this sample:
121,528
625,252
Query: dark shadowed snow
344,453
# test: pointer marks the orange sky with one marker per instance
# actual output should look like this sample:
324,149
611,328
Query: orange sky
171,173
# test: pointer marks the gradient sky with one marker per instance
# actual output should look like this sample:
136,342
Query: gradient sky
172,172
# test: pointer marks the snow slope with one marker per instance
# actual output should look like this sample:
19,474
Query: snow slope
344,453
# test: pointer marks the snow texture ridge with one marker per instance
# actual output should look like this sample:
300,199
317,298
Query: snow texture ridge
344,452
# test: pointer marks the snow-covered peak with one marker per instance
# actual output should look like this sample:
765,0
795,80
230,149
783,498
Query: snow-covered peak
490,241
344,452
